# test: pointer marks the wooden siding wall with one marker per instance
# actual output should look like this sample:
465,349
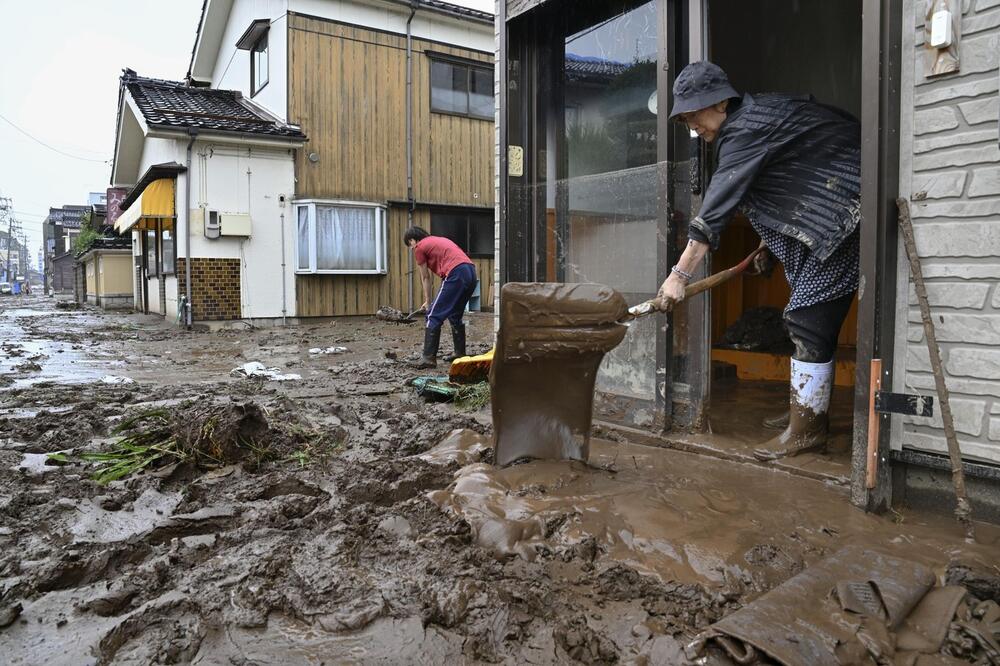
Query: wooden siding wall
329,295
347,89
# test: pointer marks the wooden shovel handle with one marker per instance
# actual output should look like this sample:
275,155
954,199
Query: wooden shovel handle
702,285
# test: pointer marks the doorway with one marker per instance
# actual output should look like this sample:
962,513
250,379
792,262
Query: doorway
797,47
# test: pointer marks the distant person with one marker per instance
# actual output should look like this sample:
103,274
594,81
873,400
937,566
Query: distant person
793,167
439,255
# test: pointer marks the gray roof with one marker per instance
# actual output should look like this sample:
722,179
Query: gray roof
176,105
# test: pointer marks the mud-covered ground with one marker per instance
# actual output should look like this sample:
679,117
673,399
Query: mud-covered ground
358,523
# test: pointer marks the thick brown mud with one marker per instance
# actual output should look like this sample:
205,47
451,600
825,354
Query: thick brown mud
396,540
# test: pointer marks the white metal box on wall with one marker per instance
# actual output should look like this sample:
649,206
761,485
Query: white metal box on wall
234,224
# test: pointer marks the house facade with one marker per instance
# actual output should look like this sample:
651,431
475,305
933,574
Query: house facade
210,175
396,99
59,230
594,183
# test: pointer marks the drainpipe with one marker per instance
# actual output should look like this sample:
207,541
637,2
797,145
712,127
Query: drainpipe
187,232
409,145
284,303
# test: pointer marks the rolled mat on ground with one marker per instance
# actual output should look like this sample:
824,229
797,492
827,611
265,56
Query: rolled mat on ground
857,606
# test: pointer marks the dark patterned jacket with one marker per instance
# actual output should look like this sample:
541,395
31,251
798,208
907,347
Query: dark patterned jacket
793,160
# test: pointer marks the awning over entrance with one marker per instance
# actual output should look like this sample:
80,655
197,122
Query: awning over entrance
155,201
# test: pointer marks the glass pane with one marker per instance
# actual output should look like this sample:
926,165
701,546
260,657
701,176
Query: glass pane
481,235
345,238
167,243
452,226
303,245
151,252
260,63
481,93
449,87
606,213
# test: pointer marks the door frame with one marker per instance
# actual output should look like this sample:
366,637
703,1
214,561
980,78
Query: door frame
881,62
880,120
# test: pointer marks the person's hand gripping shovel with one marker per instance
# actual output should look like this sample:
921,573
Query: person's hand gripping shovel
759,258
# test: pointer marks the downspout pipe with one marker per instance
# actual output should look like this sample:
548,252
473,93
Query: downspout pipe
409,145
188,319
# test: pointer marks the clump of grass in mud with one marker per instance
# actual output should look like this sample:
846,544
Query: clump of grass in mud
473,397
206,435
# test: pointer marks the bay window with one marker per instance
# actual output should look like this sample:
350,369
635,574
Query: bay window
340,237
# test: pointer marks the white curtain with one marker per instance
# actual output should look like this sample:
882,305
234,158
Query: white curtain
303,237
345,238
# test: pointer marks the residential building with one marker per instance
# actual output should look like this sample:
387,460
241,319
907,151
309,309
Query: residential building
381,154
59,230
594,183
104,274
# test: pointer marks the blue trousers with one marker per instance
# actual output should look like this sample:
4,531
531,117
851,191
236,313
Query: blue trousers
454,295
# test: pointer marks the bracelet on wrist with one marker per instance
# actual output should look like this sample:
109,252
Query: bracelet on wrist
683,274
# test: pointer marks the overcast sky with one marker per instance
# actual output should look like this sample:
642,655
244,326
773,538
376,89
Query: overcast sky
59,66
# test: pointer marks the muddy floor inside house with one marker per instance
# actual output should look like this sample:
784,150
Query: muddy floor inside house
335,516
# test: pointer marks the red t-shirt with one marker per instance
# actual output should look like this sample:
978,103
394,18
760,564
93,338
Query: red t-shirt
440,255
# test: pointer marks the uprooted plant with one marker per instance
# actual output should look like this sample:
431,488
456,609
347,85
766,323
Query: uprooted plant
206,435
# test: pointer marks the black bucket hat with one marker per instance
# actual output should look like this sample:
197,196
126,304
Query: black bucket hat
699,86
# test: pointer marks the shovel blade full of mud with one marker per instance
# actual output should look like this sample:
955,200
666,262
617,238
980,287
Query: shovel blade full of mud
551,341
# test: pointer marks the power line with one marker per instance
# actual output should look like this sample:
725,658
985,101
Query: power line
40,142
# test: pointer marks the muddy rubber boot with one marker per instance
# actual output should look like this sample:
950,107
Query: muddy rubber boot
808,417
432,339
458,343
779,422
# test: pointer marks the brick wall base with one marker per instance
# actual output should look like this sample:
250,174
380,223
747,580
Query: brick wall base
215,284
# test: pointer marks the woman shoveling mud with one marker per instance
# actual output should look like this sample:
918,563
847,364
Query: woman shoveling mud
446,260
792,166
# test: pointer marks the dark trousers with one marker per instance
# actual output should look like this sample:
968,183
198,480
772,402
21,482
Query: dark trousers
454,295
814,329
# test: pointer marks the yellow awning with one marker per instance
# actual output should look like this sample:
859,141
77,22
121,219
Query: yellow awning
156,201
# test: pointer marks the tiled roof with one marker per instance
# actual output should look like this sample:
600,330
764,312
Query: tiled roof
588,68
172,104
458,9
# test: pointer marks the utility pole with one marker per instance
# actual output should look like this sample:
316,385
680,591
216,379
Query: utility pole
6,206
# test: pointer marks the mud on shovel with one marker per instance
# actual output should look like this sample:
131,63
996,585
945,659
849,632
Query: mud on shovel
551,340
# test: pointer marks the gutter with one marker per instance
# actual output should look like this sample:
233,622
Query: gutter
187,233
411,202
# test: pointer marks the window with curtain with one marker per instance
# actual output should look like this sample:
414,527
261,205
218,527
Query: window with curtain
461,89
473,231
336,237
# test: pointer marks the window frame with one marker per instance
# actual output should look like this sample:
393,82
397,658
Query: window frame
467,213
253,63
381,247
151,271
469,66
164,269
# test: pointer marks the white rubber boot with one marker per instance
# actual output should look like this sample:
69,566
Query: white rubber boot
809,409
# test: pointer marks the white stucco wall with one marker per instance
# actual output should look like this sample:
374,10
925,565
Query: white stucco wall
949,171
232,66
247,180
392,18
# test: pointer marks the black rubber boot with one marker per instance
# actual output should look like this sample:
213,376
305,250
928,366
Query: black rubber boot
432,340
458,342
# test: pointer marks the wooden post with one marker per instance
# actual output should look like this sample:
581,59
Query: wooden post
963,510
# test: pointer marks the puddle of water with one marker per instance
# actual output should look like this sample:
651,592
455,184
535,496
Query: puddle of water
35,464
93,524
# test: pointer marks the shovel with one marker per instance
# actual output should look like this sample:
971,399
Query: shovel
417,312
712,281
551,341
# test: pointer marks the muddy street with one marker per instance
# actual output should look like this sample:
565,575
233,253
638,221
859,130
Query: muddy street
154,508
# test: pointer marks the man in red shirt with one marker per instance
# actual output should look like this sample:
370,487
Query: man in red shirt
439,255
